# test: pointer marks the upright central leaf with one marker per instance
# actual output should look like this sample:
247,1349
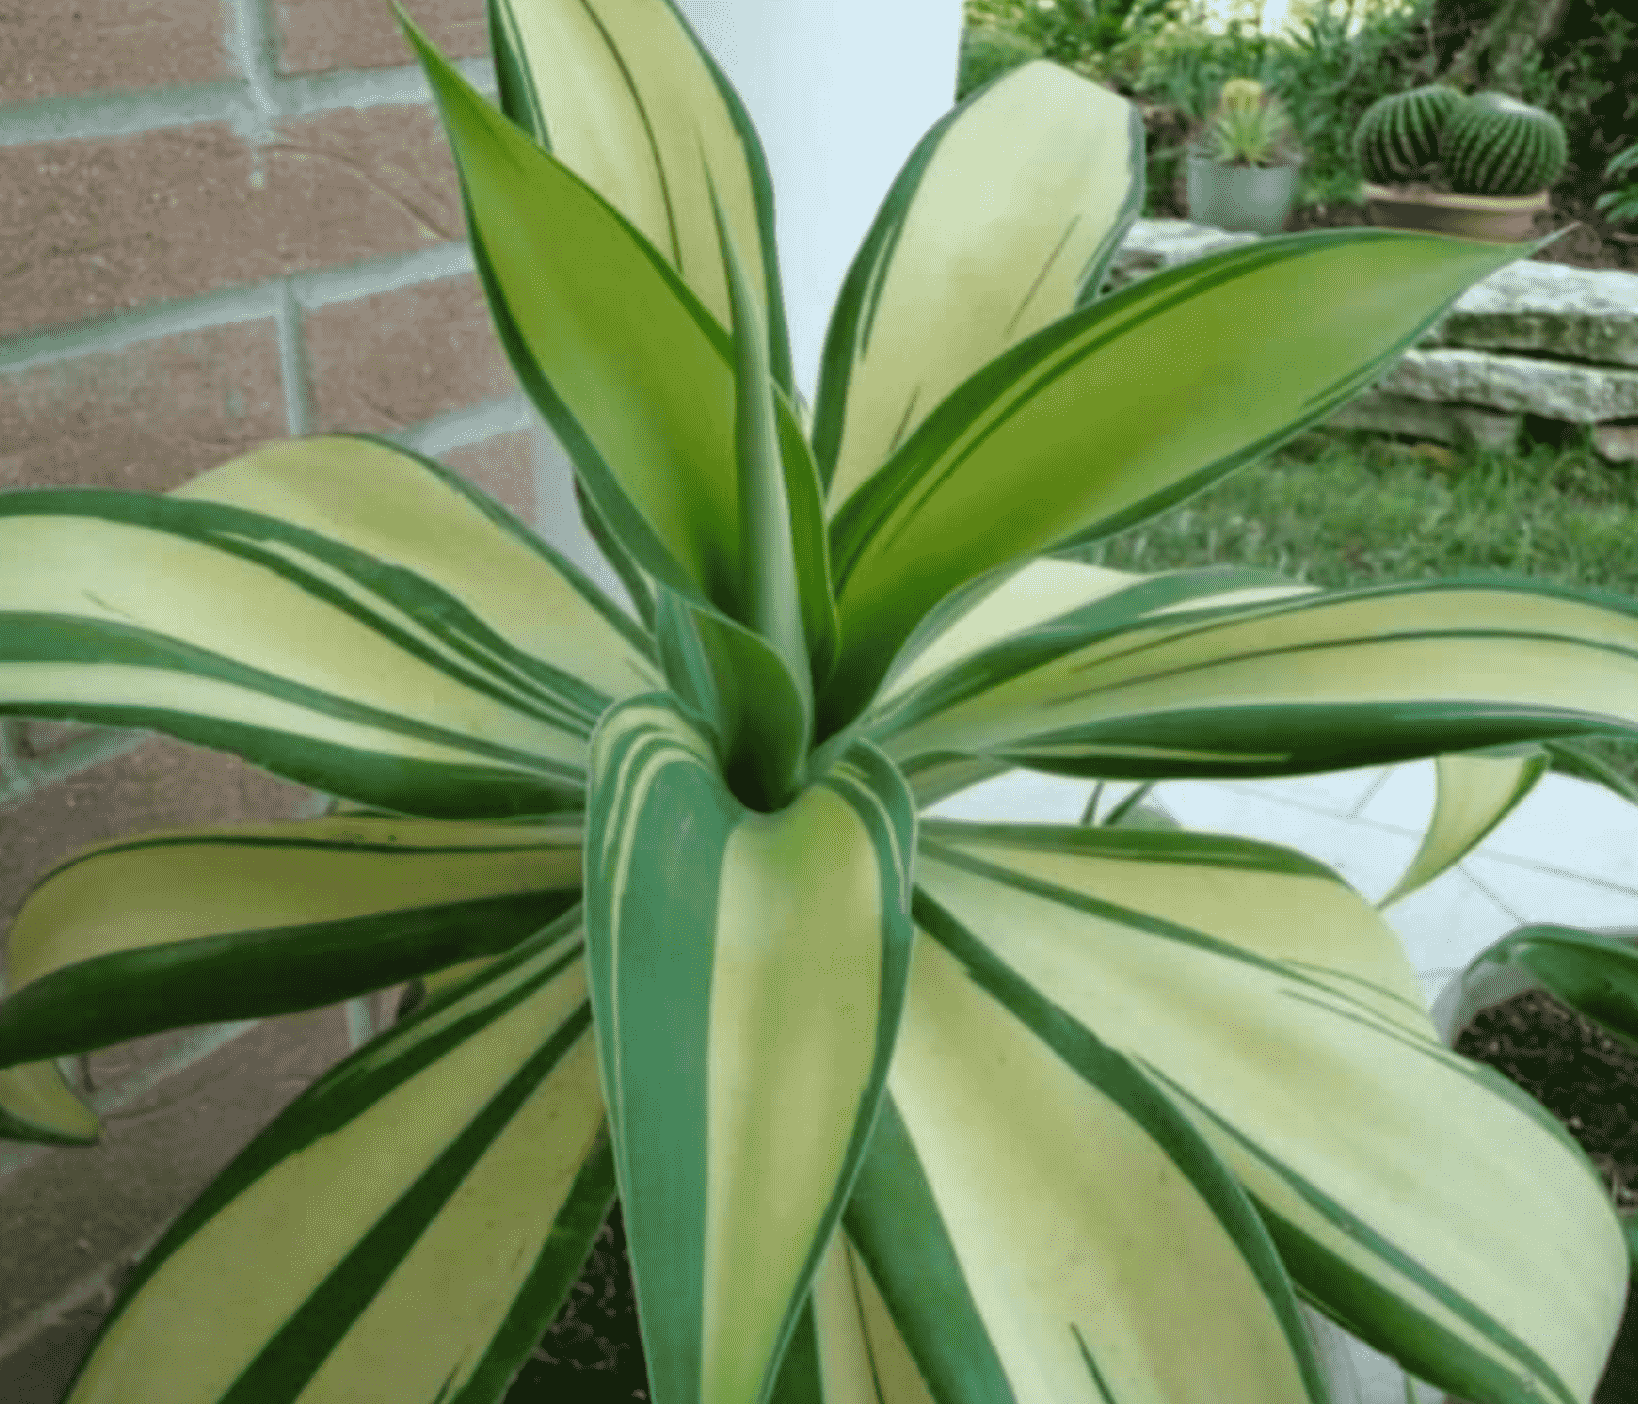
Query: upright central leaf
747,973
630,368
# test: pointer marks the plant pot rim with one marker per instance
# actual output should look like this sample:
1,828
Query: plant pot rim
1442,199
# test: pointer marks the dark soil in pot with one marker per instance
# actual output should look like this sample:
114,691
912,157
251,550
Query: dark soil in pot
592,1353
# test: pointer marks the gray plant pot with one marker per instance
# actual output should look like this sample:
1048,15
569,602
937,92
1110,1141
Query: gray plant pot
1249,199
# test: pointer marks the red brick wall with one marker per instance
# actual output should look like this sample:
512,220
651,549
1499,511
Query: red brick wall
223,223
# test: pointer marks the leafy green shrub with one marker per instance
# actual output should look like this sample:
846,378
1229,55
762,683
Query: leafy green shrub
1329,78
1076,33
1622,204
987,53
1325,76
1586,75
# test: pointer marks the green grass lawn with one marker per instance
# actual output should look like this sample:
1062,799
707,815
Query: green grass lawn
1335,509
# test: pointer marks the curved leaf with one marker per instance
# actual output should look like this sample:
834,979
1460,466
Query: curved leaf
626,96
747,971
633,372
1280,682
1030,1213
1417,1198
170,929
414,1219
1001,221
1474,792
37,1104
1123,409
734,685
1568,757
1593,972
413,645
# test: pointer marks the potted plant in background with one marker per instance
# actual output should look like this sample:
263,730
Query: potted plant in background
1242,174
1478,167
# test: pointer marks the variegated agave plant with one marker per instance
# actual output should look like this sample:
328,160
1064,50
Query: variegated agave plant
897,1109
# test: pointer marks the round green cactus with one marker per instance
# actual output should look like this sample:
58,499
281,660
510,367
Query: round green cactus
1494,144
1399,135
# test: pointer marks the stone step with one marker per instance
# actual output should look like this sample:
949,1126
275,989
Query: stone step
1472,373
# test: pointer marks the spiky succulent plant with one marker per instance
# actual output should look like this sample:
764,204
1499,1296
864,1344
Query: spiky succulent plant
1493,144
1399,135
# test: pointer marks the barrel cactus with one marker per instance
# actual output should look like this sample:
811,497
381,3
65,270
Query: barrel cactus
1399,135
1493,144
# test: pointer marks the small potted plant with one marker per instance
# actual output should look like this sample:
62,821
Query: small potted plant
1242,173
1478,166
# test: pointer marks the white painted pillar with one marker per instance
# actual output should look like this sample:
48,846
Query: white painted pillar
840,92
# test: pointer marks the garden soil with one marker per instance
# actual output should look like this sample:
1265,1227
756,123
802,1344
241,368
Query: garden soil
592,1353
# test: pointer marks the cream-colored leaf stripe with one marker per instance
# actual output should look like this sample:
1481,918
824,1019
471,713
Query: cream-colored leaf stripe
777,945
1048,591
404,679
1285,686
1472,794
625,95
1003,215
1263,994
1030,1211
647,414
1123,408
175,928
466,1146
410,513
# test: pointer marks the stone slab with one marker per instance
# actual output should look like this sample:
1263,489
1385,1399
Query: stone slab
1616,442
1586,314
1572,394
1445,424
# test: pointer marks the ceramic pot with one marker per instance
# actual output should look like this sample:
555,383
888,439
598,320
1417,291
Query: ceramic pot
1249,199
1498,219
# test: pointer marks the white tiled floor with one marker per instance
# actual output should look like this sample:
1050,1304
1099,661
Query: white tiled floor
1567,854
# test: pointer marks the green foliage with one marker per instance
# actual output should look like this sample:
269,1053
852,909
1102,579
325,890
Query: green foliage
1328,69
1586,75
987,53
1493,144
1252,136
1623,203
1074,33
1398,137
1325,74
1335,508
